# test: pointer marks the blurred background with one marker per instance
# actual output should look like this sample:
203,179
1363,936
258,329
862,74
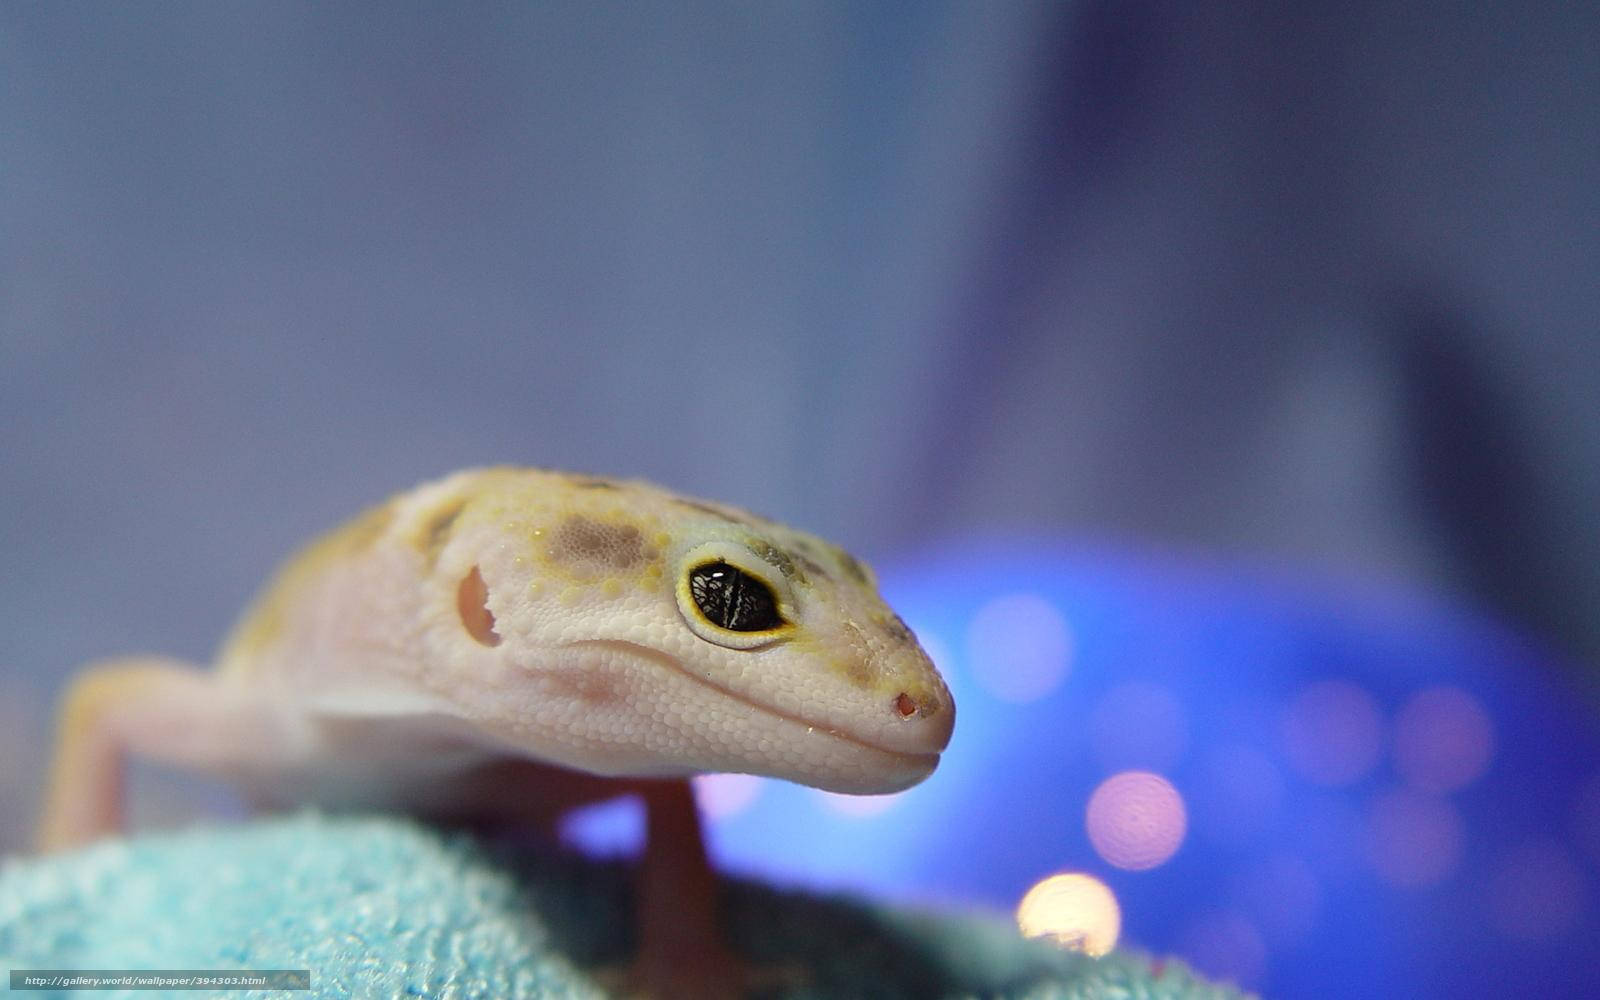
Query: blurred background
1213,386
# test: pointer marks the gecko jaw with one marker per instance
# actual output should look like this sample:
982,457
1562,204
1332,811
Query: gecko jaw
925,762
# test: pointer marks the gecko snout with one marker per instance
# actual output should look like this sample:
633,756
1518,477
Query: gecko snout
921,720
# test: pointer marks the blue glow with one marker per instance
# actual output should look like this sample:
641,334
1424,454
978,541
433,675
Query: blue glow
1409,873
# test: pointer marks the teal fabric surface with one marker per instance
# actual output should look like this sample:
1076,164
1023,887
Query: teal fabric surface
380,907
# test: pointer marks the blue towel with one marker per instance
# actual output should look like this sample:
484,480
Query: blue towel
381,907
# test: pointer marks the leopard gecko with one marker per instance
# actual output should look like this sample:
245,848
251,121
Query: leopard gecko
509,643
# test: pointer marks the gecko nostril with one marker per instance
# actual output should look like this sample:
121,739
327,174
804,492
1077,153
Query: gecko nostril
905,705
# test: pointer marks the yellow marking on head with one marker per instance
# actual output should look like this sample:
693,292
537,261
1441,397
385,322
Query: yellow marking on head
264,620
433,532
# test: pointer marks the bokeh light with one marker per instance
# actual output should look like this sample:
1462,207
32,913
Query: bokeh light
1399,882
723,795
1284,896
1333,733
1138,724
1074,910
1412,839
1226,946
1019,647
1536,892
1136,820
1443,739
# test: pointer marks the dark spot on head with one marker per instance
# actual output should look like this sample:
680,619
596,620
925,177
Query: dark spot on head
905,705
598,543
898,630
812,567
435,531
860,667
705,508
855,569
778,558
591,483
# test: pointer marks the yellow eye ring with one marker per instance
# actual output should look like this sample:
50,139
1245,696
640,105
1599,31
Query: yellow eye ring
727,599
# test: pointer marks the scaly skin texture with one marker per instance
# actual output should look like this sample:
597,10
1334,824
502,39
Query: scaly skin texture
507,643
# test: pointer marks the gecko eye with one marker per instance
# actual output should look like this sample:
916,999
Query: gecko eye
729,605
730,598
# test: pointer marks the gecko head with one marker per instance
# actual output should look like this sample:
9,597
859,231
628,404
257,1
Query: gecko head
794,628
654,635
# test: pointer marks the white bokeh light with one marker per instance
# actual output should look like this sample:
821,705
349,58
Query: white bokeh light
1413,840
1537,892
1136,820
1333,733
1225,946
1073,910
1019,647
1443,739
1284,896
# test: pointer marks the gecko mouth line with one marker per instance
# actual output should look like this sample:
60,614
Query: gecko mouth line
930,759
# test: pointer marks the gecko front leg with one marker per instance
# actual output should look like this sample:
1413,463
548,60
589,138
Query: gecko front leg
681,951
156,708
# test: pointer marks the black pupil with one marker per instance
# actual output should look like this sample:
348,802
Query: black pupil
733,599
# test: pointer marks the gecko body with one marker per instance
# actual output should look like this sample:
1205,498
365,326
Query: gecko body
509,641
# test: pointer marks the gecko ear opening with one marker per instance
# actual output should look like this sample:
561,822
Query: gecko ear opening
472,605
